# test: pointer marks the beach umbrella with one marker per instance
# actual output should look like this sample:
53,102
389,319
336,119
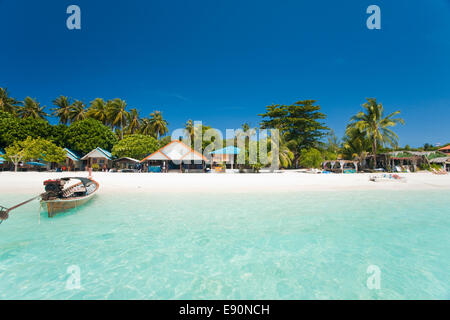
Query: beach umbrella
36,164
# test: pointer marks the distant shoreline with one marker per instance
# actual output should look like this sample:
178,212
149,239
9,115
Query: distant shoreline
288,181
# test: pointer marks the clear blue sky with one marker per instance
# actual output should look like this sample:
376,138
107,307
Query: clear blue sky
223,61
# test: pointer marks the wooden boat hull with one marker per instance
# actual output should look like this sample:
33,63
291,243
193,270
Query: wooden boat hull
56,206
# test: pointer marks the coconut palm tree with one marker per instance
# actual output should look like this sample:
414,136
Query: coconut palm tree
355,145
62,111
375,126
285,155
32,109
147,128
98,110
134,121
158,124
190,129
118,114
78,111
8,104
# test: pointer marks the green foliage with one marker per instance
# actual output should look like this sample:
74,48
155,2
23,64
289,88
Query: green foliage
7,103
299,123
327,155
355,145
257,167
135,146
311,158
62,110
164,141
95,167
14,129
375,126
85,135
157,124
285,155
31,109
48,151
35,149
118,115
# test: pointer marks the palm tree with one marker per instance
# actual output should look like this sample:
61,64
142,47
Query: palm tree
147,128
355,145
32,109
118,114
134,121
78,111
62,110
372,123
98,110
8,104
190,129
285,155
158,124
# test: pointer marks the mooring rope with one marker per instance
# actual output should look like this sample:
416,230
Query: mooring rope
4,212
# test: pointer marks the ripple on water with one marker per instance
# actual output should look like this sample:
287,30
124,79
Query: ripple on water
249,246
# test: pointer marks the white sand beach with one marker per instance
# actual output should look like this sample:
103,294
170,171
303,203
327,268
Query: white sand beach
31,182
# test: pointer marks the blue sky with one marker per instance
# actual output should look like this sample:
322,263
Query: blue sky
222,62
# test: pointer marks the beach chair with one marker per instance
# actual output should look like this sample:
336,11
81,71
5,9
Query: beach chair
440,172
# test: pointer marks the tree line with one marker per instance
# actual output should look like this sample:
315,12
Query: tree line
305,140
112,113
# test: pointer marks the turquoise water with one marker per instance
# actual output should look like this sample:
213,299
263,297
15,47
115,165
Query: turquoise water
315,245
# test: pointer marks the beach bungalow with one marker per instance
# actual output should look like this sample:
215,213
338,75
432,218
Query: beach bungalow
73,161
225,155
443,161
175,156
100,157
445,149
125,163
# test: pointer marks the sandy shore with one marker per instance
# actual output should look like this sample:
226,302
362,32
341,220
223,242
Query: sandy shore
31,182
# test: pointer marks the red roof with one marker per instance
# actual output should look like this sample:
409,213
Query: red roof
445,148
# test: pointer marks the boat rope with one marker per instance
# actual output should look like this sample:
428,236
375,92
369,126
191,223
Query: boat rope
4,212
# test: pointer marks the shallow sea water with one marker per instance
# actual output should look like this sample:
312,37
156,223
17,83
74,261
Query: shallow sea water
304,245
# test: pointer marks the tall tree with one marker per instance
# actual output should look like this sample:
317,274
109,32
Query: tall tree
355,145
34,149
32,109
63,107
158,124
285,155
7,103
299,123
135,146
190,129
375,126
147,128
78,111
85,135
134,121
98,110
118,114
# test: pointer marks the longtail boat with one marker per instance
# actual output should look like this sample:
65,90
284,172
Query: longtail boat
57,199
